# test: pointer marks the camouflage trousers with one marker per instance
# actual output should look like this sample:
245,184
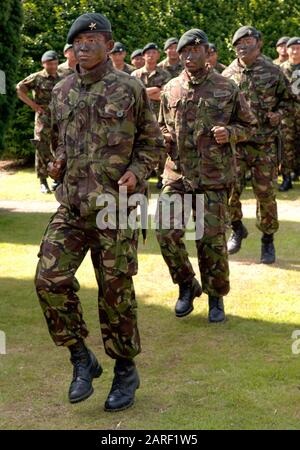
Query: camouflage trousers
261,161
42,143
211,248
65,243
291,142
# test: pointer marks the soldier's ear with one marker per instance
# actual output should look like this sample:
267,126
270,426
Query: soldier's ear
109,45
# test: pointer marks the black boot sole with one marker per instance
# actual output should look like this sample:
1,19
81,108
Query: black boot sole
112,410
267,262
217,321
97,373
119,409
83,397
186,313
198,293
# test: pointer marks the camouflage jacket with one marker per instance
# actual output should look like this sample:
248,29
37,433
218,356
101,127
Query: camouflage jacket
277,62
105,127
219,67
292,73
158,78
41,85
173,69
64,70
266,90
190,107
128,68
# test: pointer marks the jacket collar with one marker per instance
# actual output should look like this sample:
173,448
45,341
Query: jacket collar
96,74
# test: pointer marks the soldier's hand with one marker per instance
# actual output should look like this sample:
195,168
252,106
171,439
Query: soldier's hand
38,108
221,135
274,118
129,181
56,169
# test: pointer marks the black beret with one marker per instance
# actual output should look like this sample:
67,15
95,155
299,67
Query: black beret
293,41
50,55
150,46
137,52
170,42
118,47
245,31
282,40
192,37
67,47
212,47
87,23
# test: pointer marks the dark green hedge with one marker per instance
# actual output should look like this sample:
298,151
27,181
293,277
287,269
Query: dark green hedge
136,22
10,51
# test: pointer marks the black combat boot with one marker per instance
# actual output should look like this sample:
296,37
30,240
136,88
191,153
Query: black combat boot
216,311
44,188
286,183
86,367
187,293
267,249
239,232
125,383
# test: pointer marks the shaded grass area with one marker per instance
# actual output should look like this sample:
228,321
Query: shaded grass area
238,375
23,185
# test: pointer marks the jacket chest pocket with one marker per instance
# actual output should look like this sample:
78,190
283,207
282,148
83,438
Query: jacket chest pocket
113,124
67,127
215,111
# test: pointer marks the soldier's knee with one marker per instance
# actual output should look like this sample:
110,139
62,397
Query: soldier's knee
55,283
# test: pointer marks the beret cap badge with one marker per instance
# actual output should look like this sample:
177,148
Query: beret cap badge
93,26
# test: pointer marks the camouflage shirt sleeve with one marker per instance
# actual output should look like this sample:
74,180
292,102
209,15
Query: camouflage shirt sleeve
28,83
148,144
284,95
167,127
58,146
243,122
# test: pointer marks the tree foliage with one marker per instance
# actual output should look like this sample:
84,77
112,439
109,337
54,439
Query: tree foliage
10,51
136,22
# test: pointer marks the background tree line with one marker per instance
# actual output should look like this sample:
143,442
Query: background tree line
135,22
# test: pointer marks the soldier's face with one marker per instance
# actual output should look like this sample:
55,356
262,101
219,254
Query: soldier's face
212,58
247,47
117,57
91,49
282,50
69,54
294,53
151,56
194,57
172,52
138,62
51,66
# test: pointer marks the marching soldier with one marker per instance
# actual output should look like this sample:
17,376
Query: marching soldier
107,139
202,116
267,93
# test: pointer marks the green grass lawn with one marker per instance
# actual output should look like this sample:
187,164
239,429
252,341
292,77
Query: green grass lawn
237,375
